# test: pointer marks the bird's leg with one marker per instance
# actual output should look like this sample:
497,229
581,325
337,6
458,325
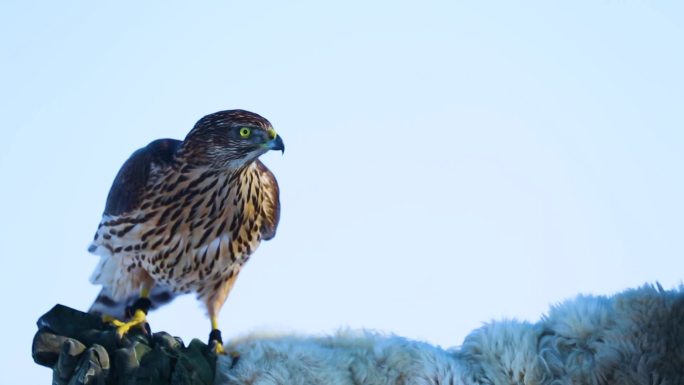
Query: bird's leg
137,313
215,336
214,305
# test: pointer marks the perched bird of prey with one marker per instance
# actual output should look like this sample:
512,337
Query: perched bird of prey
185,216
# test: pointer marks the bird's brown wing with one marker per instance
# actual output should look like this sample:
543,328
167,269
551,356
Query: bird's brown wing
271,203
130,183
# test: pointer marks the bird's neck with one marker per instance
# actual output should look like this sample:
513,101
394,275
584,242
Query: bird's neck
188,161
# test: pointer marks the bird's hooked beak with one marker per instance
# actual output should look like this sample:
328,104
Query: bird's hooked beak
276,142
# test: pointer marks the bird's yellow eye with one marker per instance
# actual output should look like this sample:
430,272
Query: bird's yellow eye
245,132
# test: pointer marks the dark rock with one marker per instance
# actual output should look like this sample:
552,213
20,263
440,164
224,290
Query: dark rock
167,341
67,361
102,357
196,365
65,321
48,346
89,370
155,368
126,364
78,346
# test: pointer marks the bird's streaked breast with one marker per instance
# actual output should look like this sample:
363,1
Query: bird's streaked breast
193,228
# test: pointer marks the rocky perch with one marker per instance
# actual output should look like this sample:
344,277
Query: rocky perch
81,349
634,337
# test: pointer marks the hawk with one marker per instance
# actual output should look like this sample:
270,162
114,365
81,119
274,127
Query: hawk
184,217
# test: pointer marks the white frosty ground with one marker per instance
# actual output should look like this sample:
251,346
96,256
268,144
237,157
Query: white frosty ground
635,337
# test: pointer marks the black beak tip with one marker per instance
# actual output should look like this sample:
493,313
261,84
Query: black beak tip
279,145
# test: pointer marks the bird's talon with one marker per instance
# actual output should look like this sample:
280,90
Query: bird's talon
219,349
139,319
117,323
122,330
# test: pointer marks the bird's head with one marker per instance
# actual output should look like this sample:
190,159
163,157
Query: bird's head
230,139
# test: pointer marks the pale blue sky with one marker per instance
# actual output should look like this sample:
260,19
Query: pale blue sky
447,163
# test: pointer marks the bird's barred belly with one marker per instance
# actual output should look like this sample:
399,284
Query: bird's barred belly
184,262
186,268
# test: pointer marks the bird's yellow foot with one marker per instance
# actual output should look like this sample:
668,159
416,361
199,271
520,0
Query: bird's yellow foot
137,319
218,348
216,342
